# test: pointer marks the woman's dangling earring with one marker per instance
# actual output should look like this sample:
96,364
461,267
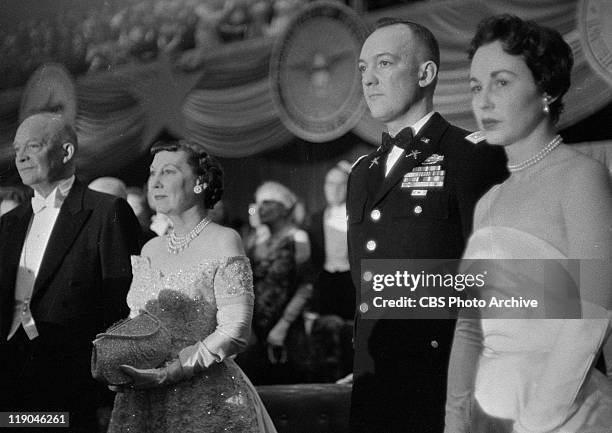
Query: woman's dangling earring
199,187
546,101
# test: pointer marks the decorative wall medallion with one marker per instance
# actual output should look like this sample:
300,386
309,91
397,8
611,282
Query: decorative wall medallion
316,86
594,19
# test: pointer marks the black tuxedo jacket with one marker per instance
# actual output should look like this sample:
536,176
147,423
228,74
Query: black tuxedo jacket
400,366
80,289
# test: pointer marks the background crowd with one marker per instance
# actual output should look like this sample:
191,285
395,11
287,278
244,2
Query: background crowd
134,31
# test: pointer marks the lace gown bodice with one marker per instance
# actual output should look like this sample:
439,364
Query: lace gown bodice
210,280
193,293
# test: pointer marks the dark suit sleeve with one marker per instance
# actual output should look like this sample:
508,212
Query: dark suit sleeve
118,240
353,269
349,244
4,292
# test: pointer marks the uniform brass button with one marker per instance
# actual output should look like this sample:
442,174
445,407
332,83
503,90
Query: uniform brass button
371,245
434,344
375,215
418,210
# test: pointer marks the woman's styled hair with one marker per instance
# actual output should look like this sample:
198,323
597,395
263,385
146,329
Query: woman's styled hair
547,55
207,168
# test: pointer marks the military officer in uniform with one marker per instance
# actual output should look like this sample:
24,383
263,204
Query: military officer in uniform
413,197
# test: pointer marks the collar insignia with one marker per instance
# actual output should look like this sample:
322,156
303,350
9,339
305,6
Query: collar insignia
413,153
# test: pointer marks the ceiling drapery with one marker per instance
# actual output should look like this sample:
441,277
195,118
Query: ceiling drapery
225,104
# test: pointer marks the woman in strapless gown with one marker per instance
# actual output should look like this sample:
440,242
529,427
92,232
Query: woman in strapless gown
520,374
197,281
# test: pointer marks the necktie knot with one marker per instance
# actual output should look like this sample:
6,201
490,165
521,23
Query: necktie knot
402,140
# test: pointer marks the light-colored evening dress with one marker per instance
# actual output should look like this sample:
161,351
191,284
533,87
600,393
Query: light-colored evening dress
538,374
196,304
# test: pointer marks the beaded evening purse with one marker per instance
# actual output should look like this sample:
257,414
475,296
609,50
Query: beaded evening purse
141,342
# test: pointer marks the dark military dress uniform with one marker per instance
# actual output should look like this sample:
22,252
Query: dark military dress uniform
422,209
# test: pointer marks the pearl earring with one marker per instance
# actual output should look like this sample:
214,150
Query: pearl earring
198,189
546,101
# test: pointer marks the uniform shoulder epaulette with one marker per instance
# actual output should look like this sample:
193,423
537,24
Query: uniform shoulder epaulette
476,137
357,161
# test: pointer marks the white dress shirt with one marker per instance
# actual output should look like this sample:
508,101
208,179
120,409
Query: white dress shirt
396,152
43,220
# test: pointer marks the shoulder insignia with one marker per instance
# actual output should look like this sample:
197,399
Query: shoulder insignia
357,161
476,137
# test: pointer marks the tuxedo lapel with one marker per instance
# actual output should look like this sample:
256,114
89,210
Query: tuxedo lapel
16,230
69,222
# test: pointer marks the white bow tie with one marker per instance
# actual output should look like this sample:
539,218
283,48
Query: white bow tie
39,203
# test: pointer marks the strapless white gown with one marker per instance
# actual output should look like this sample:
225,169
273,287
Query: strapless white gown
540,372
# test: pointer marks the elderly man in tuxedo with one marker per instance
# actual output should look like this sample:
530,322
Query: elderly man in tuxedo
64,275
412,198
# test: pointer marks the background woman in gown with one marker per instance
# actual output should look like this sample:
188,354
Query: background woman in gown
198,281
533,375
278,351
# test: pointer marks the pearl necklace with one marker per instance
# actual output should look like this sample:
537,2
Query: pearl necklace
176,244
538,156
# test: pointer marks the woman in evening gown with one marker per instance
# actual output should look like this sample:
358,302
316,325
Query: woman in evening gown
520,374
278,351
198,282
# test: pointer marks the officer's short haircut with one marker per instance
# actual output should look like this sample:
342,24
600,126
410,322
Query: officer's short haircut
424,37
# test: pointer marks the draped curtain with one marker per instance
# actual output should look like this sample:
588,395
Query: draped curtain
225,103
